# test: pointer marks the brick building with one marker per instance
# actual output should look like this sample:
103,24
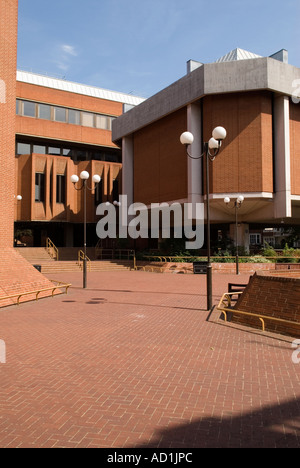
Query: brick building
63,128
254,98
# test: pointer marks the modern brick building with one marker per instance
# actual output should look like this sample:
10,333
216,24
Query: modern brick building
254,98
63,128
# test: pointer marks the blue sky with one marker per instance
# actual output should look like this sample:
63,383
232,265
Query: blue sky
142,46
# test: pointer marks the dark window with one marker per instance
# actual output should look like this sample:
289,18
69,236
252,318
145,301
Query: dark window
74,117
60,114
44,111
39,187
115,190
39,149
98,193
54,151
60,189
23,148
29,109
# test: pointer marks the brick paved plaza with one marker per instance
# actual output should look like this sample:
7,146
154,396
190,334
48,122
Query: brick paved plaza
133,362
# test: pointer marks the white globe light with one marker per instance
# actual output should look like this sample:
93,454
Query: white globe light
213,144
96,178
219,133
240,199
74,179
84,175
226,200
186,138
19,197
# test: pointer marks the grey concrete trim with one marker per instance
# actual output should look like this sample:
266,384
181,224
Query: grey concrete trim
246,195
216,78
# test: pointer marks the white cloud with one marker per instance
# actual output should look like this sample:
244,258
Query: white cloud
64,55
70,50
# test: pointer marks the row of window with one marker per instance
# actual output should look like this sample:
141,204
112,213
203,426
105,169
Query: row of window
61,189
63,115
75,154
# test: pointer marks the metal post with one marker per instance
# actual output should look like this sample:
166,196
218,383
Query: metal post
236,240
209,267
84,235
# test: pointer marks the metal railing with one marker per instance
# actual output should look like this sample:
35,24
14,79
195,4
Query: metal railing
114,254
81,257
216,259
52,249
37,292
225,307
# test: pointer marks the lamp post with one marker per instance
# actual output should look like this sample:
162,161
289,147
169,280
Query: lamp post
237,206
211,150
84,176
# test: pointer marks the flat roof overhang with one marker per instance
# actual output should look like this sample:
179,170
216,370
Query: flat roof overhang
214,78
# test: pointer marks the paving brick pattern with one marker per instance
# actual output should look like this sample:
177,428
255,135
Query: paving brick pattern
133,362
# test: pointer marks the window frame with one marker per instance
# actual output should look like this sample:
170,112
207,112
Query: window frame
40,184
61,189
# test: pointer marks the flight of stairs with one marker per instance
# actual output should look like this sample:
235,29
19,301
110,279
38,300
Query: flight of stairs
68,261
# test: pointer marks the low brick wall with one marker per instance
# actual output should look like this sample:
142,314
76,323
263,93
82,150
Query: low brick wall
18,276
187,268
272,295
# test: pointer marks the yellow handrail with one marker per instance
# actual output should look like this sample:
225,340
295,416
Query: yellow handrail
37,292
82,256
164,258
51,249
261,317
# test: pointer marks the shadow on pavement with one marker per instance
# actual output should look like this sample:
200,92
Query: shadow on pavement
272,427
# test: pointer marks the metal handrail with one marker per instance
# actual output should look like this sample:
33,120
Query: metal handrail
164,258
38,291
261,317
82,256
115,253
52,249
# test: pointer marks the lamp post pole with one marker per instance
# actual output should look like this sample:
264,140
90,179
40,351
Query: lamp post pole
84,176
237,206
84,235
211,150
209,267
236,240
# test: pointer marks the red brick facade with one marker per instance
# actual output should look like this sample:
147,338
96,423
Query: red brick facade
16,274
295,148
8,57
275,296
246,162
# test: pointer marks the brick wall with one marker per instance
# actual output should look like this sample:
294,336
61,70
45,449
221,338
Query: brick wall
72,209
246,161
8,57
67,132
295,147
160,161
271,295
16,274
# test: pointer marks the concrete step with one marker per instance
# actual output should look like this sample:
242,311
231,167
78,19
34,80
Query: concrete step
34,254
62,266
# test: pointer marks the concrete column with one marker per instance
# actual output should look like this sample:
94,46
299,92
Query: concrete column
194,118
282,206
127,169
